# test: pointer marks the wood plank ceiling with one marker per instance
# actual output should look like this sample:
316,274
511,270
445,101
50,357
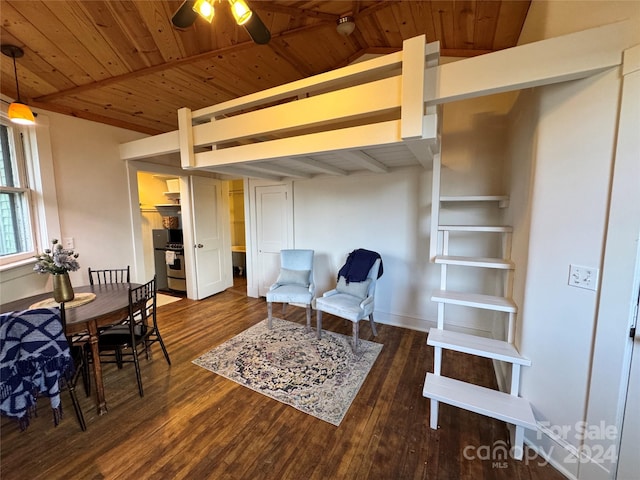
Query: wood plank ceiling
123,63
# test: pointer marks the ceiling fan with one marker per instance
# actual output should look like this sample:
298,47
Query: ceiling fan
186,15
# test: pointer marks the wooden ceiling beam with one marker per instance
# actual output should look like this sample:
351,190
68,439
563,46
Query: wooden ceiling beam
172,64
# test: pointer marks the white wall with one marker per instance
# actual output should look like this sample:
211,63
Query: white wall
390,214
93,201
563,144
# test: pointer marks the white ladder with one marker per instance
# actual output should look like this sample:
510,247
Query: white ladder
508,407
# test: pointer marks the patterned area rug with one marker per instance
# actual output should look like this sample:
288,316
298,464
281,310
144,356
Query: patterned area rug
289,364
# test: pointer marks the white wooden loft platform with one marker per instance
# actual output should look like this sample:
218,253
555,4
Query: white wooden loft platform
378,115
370,116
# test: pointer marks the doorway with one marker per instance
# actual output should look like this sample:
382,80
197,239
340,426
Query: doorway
238,237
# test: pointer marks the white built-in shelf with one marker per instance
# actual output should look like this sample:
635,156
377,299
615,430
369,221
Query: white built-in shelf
492,403
476,228
476,345
477,300
483,262
168,209
503,200
172,195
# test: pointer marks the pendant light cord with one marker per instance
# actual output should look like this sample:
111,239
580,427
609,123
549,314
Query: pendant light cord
15,74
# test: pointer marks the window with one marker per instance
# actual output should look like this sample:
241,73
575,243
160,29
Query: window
17,238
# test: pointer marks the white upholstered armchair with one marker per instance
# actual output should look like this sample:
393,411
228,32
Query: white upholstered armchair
353,301
294,284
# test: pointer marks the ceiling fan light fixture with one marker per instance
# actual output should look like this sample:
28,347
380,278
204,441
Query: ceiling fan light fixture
241,11
205,9
345,25
18,112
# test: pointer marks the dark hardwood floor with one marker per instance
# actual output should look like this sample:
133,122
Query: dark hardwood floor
193,424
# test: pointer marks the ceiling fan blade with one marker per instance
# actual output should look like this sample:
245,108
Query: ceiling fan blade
257,30
185,15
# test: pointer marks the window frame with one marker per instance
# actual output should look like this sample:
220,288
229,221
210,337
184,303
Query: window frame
38,170
16,136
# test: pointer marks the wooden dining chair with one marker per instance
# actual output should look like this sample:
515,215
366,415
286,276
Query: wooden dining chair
100,277
71,376
125,342
111,275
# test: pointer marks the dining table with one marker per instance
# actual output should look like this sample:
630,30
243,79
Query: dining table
95,307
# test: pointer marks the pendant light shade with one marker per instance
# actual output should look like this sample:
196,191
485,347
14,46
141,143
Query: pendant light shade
205,9
241,11
21,114
18,112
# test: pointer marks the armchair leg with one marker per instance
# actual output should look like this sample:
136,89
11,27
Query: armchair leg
308,318
319,323
373,325
269,315
355,337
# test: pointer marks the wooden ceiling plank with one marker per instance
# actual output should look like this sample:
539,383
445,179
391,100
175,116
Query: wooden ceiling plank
34,74
374,8
486,20
147,71
34,41
84,31
442,14
109,28
132,19
283,51
199,91
464,23
294,12
94,117
510,22
160,28
59,35
146,116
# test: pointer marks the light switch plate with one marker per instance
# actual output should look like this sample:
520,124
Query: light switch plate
583,277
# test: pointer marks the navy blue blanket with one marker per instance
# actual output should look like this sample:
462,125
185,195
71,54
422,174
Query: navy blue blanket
358,264
34,355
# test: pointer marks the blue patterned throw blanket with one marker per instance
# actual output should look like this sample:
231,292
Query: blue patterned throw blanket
34,356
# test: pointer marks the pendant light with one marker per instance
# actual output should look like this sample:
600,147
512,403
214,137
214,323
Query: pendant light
241,11
18,112
205,9
188,12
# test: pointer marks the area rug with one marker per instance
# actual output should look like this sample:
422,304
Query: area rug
289,364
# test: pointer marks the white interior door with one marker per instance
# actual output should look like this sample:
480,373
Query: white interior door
274,225
212,236
629,458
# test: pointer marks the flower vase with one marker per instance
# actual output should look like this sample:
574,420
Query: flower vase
62,289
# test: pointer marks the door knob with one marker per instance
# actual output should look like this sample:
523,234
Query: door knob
199,245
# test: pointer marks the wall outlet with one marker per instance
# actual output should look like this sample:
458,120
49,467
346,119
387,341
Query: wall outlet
583,277
68,243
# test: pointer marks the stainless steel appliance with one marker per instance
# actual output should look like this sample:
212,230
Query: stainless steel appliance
169,259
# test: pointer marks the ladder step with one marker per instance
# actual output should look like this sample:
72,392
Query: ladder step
476,228
477,300
476,345
484,262
492,403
